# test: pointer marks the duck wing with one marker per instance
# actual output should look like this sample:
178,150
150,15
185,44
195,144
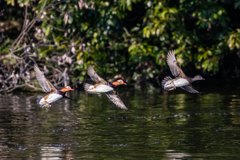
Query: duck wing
43,81
112,95
173,65
189,88
94,76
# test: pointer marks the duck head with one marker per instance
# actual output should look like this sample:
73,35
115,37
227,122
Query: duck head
118,82
198,77
66,89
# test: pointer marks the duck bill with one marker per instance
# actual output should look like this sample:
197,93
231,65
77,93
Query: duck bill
71,89
124,83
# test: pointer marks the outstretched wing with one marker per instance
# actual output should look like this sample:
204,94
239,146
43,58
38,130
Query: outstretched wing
189,88
173,65
94,76
112,95
43,81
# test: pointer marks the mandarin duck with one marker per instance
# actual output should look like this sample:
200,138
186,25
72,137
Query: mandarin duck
48,87
102,86
181,79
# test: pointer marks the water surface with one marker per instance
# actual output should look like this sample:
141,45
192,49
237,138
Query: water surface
175,125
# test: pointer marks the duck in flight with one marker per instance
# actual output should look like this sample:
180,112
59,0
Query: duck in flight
48,87
102,86
181,79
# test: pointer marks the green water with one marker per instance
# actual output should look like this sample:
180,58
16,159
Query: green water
175,125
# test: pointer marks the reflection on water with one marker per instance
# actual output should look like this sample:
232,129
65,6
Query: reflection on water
158,126
55,153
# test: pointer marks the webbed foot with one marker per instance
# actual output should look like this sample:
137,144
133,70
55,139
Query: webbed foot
47,105
172,89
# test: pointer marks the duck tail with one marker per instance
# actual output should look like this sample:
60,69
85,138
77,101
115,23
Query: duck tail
165,83
88,86
39,99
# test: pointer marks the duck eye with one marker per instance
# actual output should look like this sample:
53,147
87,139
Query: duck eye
119,80
67,87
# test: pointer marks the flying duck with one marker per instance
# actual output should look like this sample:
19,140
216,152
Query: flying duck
102,86
47,87
181,79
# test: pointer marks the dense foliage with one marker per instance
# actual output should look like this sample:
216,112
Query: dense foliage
131,37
